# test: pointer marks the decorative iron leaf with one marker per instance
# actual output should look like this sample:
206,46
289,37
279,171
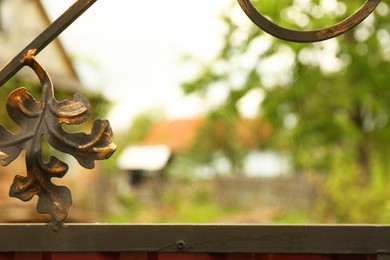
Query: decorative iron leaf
45,118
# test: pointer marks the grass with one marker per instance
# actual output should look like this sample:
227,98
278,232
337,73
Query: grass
188,213
195,204
178,205
296,217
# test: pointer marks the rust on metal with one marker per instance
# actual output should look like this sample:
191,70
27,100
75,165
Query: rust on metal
44,118
308,36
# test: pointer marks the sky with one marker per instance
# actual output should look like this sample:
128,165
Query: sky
132,50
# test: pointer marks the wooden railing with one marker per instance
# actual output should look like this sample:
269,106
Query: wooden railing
276,242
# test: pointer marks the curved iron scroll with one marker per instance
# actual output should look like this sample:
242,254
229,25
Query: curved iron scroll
308,36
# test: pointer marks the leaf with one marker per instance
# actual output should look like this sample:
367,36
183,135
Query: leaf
44,118
54,200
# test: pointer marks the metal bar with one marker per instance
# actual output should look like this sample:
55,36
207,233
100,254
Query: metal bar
278,239
48,35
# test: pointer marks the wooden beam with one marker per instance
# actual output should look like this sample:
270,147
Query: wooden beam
279,239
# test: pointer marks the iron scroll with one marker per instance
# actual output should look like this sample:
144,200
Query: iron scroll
308,36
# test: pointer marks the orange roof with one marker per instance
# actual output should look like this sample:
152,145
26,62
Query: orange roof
177,134
180,134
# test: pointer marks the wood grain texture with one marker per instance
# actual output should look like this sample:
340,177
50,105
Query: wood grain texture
285,239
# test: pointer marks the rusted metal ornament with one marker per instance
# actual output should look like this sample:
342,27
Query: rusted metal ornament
45,118
308,36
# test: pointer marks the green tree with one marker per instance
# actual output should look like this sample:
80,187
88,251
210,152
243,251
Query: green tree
328,102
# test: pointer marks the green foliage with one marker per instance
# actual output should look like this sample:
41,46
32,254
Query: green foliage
327,103
346,199
218,134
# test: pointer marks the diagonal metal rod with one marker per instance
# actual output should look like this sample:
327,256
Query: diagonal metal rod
48,35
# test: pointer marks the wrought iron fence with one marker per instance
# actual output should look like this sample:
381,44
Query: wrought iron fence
44,117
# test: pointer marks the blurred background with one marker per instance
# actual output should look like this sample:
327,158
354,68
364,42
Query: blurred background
215,121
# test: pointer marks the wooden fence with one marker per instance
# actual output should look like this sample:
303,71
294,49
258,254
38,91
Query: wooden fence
287,192
219,242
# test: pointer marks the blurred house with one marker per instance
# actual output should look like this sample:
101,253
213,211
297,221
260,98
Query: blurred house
178,134
183,134
145,171
145,162
148,160
266,178
21,21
